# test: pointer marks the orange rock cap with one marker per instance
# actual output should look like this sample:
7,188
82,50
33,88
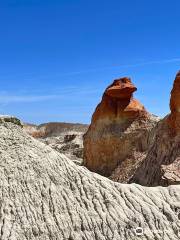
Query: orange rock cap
121,88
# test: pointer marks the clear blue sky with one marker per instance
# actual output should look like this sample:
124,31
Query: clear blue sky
57,57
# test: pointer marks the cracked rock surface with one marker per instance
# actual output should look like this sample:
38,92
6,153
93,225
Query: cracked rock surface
45,196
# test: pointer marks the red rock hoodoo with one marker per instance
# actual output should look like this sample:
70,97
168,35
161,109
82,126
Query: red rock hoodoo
118,130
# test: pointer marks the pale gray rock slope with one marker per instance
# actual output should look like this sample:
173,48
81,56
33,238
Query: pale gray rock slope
44,195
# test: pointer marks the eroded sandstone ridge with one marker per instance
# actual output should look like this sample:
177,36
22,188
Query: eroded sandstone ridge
161,166
45,196
119,133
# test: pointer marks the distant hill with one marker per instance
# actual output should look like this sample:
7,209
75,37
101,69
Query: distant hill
53,129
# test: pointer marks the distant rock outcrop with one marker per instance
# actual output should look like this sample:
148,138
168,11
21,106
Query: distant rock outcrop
53,129
44,196
161,166
66,138
119,132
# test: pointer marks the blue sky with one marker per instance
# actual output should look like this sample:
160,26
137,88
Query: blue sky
57,57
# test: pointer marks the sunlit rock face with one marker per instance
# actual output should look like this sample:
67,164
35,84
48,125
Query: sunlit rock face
119,130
